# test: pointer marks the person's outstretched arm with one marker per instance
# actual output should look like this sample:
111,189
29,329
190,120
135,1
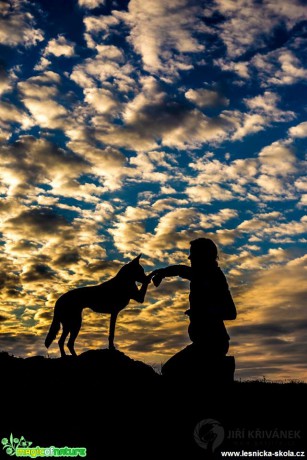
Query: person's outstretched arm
184,271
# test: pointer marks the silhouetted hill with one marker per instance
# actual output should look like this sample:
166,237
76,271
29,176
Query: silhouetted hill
112,405
92,367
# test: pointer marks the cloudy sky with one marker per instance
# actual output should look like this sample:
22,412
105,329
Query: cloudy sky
136,126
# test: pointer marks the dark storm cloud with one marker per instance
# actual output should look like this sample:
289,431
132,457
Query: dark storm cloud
8,278
21,344
259,329
12,293
3,318
156,342
67,258
103,266
38,221
44,314
38,272
23,245
13,339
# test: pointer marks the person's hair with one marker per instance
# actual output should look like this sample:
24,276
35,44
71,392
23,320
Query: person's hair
205,247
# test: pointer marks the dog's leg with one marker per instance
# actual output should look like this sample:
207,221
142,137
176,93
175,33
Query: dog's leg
61,342
74,331
112,330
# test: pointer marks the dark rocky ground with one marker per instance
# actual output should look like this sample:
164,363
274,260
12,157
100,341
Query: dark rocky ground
120,408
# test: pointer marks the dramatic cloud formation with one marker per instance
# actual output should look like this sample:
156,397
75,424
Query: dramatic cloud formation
60,47
206,98
165,33
136,126
90,4
17,26
248,23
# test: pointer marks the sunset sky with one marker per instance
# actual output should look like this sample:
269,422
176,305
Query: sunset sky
132,127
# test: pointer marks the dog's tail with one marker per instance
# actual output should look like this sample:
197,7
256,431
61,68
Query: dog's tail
54,329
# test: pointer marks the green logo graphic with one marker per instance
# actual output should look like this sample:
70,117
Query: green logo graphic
12,444
22,448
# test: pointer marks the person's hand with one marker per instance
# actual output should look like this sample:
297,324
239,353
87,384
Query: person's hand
156,277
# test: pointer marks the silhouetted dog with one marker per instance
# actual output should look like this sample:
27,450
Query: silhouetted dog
109,297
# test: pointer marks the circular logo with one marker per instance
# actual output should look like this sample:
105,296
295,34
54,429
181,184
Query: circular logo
209,434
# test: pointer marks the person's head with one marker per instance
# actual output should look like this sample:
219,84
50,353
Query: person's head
203,251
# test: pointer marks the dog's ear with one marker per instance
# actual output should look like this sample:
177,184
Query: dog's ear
137,259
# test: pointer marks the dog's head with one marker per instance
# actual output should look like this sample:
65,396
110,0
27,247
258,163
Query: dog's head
136,270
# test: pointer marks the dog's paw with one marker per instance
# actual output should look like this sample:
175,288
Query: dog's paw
156,280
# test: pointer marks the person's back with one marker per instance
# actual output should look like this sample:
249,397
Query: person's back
208,292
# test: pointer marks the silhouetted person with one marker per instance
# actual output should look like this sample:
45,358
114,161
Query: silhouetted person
210,299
